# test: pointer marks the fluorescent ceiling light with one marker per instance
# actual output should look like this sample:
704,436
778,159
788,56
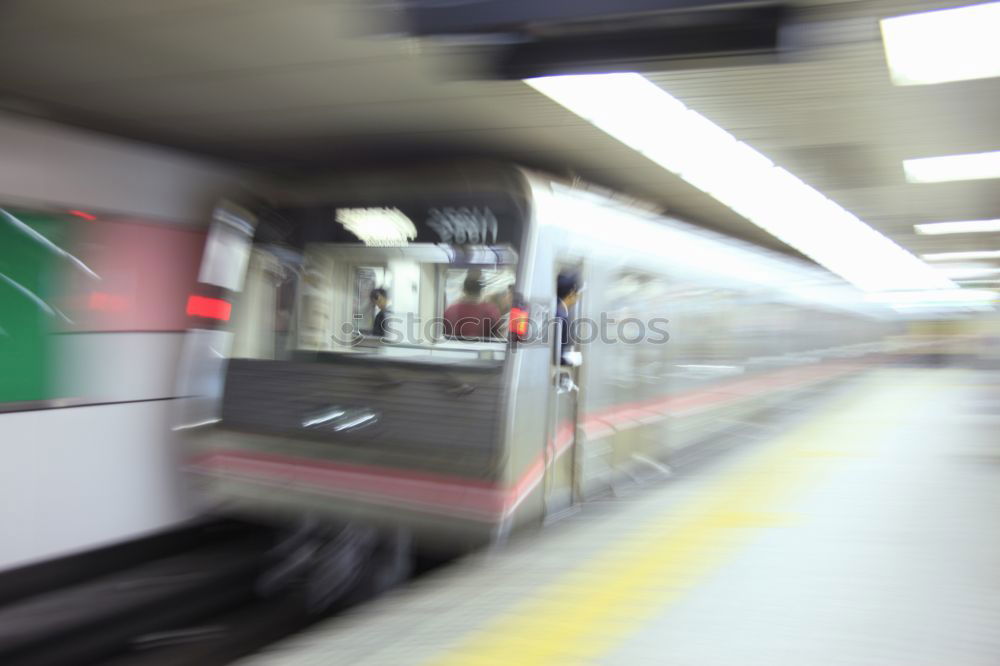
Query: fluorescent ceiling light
978,281
936,300
379,227
940,308
959,272
967,227
648,119
945,45
933,296
957,256
971,166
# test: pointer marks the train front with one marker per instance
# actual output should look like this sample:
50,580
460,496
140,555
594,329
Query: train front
326,380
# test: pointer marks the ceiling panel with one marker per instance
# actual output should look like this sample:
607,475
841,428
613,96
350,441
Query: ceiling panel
304,82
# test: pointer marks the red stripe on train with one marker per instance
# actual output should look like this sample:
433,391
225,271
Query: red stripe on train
450,495
476,498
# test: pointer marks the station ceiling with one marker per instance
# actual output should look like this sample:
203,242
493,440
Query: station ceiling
331,83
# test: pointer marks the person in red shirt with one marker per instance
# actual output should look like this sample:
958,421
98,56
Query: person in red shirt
470,317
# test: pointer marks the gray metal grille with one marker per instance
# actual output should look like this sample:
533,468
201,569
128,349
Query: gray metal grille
417,408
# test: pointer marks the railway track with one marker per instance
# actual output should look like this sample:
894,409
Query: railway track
204,594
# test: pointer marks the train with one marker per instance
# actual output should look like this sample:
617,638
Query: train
296,409
91,325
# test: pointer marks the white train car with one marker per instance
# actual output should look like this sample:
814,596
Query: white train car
458,440
100,240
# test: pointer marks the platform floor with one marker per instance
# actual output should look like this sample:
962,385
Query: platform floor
865,533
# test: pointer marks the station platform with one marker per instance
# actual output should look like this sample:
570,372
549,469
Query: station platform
862,533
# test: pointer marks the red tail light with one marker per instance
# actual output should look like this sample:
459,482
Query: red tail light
209,308
518,322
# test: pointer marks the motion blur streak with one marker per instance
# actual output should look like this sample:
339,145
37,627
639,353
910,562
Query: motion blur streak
648,119
594,607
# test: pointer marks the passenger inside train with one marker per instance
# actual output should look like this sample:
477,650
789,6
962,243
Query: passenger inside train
567,293
471,317
380,299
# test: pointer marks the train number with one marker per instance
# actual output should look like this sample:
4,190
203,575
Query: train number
463,225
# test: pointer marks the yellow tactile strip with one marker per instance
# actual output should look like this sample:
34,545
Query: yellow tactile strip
593,607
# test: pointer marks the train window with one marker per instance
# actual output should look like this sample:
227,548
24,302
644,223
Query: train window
377,281
320,300
705,338
260,319
366,280
634,300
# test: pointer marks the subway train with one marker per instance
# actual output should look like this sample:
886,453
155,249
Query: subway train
91,323
300,409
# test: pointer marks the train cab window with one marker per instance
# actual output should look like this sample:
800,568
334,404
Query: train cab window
315,297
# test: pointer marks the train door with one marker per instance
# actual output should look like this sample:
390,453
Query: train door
564,398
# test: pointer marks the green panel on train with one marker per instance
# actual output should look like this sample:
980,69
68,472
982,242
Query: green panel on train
30,279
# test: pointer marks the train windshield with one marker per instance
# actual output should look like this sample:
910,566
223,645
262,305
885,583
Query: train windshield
428,283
